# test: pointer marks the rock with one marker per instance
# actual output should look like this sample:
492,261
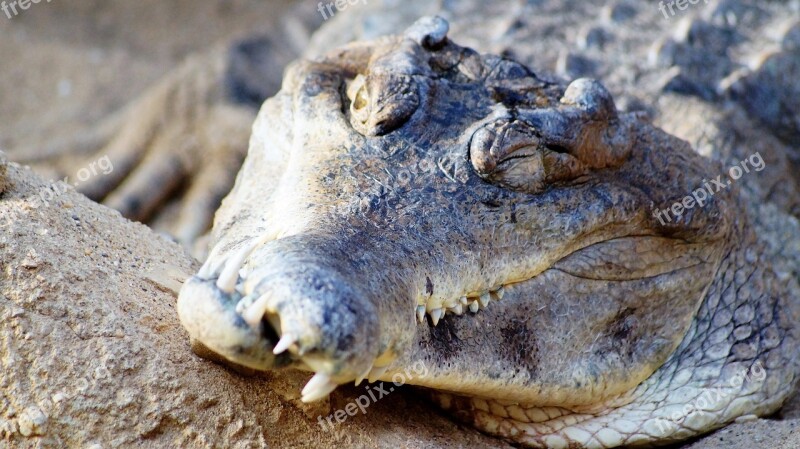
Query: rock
31,422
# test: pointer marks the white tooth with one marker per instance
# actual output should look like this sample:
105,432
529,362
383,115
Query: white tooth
485,299
240,289
363,376
458,310
421,314
377,372
244,303
464,301
205,270
436,315
255,312
317,388
284,343
473,307
499,293
230,274
209,269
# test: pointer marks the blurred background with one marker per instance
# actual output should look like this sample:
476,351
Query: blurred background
64,65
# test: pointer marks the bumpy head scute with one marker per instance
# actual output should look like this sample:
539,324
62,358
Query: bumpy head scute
429,32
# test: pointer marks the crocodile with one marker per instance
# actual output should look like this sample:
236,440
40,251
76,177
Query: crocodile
554,371
407,200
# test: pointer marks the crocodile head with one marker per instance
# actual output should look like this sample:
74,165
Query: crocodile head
408,201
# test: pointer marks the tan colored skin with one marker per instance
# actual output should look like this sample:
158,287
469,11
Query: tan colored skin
409,172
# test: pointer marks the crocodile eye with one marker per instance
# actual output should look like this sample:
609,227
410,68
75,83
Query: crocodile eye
381,103
512,155
362,100
359,106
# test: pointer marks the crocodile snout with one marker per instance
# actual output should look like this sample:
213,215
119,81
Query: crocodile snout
288,302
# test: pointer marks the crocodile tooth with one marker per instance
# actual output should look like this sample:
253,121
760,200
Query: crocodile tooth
284,343
363,376
464,301
458,309
485,299
255,312
499,293
431,304
317,388
436,315
205,270
473,307
421,314
210,267
230,274
244,303
240,288
377,372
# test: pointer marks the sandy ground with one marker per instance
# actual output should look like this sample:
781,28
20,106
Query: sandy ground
64,66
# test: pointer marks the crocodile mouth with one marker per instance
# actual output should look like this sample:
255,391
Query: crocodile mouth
243,313
235,316
231,309
275,303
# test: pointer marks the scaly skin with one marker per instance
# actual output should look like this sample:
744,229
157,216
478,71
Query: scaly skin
410,178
